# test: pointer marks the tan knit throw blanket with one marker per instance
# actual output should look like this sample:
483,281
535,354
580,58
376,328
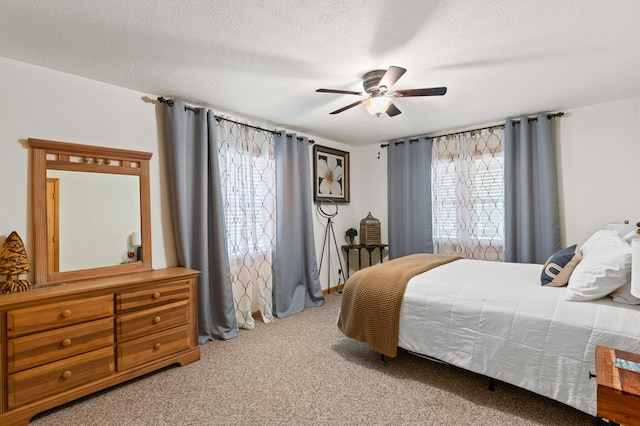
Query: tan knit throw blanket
372,297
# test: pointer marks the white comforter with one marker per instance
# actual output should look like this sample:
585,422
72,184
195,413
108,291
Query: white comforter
496,319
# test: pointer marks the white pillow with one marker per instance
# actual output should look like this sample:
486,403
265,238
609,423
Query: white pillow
605,267
623,295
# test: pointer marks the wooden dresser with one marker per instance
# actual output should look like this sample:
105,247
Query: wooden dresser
63,342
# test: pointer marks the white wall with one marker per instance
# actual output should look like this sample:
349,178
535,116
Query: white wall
599,152
599,167
45,104
368,194
599,164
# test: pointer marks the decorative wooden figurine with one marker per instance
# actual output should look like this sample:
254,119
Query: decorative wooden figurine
13,262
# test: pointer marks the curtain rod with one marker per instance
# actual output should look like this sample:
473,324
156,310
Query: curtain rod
171,103
557,114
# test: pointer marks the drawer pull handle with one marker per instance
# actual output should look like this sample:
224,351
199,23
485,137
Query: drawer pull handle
156,320
157,346
156,295
66,374
66,313
66,342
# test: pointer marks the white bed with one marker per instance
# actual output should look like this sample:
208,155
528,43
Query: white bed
496,319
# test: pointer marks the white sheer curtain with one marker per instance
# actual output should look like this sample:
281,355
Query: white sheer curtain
468,201
248,186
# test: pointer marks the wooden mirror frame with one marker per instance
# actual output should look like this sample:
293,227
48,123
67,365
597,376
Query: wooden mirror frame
55,155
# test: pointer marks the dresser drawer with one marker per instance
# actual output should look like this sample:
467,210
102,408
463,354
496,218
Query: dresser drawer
48,346
152,296
149,348
56,377
135,324
59,314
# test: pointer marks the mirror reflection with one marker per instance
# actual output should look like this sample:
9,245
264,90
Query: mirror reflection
93,219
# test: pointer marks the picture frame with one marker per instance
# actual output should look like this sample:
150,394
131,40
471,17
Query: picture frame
330,174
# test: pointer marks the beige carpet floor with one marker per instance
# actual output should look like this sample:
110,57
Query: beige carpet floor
302,371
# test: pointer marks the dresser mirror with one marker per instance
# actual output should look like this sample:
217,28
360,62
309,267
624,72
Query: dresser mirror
91,211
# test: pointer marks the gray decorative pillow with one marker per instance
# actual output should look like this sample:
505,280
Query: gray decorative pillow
555,264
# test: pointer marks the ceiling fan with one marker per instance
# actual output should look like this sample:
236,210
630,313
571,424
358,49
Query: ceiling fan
377,84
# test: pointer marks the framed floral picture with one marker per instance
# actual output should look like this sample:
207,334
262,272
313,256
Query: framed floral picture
330,174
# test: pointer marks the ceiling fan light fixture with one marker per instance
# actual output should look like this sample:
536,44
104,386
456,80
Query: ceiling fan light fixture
376,84
377,105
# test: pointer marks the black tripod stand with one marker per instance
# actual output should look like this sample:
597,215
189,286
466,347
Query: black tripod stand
328,234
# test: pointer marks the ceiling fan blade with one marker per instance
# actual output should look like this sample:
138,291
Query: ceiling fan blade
393,110
338,111
432,91
342,92
390,77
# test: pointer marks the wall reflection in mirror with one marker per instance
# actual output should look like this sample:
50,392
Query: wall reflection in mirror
93,219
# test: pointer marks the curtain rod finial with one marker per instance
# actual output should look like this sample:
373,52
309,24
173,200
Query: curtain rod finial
164,100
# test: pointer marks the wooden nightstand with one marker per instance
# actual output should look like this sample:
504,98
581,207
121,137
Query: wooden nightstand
618,388
368,247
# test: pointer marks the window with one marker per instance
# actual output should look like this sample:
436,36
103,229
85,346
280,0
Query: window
467,195
249,204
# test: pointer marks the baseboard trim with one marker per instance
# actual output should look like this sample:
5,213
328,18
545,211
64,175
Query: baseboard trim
334,289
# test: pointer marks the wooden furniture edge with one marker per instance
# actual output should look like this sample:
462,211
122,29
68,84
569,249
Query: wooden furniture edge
89,286
39,164
84,289
616,401
59,147
22,415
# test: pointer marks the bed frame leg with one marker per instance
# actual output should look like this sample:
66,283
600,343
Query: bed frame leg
492,388
382,358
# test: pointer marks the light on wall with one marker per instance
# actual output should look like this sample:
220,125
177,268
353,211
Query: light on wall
136,242
377,105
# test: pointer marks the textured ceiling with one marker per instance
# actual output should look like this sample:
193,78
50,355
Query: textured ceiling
264,59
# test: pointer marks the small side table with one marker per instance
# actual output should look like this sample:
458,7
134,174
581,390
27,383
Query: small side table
618,388
368,247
